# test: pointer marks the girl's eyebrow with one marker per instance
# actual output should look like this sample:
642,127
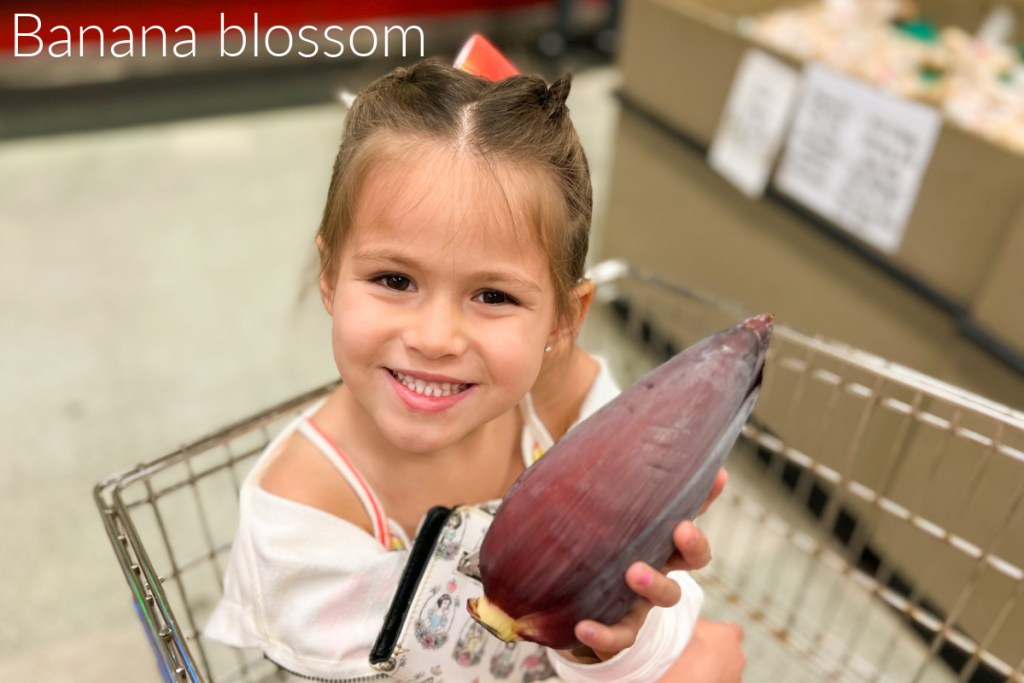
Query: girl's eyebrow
504,279
385,256
494,277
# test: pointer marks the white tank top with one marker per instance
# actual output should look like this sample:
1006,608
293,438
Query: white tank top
534,442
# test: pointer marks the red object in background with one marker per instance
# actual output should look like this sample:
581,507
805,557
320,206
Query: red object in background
206,18
481,58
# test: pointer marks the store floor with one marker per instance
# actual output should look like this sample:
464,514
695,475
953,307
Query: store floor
155,283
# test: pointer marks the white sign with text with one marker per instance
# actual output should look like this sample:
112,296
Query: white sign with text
856,155
754,121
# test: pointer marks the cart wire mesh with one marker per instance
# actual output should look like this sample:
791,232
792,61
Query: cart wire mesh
871,530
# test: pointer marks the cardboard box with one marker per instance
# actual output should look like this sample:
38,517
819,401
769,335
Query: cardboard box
968,15
999,309
678,61
671,214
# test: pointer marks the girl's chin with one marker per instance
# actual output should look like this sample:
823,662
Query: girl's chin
422,443
420,436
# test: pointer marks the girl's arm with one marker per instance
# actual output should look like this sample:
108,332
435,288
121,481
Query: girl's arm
659,642
713,655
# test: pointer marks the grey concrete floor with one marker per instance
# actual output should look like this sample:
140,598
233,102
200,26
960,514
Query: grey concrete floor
151,283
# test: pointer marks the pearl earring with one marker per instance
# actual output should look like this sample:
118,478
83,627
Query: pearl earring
547,349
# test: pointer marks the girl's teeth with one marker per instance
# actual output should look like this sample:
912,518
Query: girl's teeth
429,388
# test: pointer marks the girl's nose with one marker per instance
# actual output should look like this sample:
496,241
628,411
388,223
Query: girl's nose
437,330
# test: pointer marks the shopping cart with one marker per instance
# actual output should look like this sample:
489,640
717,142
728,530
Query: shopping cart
872,529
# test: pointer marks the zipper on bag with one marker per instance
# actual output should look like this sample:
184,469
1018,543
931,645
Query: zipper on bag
321,679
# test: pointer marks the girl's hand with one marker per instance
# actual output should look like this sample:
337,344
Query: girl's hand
713,655
652,586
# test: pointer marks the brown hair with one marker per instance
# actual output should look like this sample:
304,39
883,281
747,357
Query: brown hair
519,119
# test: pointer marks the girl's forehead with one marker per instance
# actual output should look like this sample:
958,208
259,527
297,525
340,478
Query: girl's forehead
467,197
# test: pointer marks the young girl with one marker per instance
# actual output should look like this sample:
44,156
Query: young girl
452,250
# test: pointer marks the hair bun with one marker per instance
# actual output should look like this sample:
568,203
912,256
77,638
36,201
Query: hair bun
555,96
403,74
421,72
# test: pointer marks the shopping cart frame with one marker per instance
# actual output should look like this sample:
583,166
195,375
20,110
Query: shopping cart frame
653,330
167,638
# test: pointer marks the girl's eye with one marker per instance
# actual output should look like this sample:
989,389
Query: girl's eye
397,282
493,297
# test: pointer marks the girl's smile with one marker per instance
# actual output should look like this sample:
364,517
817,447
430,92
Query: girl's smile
426,392
429,385
443,301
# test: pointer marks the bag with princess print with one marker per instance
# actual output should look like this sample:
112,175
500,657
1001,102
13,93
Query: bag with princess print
428,634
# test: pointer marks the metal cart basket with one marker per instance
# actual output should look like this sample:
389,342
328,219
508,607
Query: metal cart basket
872,529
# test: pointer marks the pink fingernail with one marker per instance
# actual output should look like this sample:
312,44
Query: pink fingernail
645,579
589,632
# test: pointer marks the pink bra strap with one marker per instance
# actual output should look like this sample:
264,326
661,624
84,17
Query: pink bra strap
362,489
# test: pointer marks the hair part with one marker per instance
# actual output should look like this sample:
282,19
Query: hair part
519,120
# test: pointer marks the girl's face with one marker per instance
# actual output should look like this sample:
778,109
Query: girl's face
443,302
